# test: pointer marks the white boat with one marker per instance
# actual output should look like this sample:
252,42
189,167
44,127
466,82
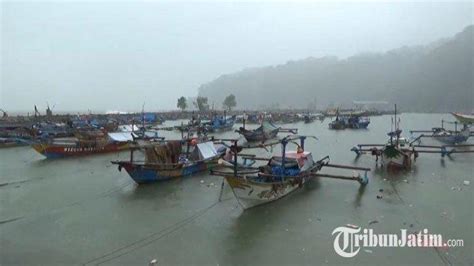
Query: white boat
264,187
281,176
464,118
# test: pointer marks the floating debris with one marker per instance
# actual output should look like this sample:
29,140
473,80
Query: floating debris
10,220
373,222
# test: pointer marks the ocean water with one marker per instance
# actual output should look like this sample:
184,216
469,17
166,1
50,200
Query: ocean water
84,211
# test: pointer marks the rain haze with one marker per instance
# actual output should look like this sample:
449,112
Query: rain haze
81,56
238,132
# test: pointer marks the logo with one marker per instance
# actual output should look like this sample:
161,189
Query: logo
349,239
347,249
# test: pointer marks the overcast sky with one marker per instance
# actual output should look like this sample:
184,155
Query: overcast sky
117,55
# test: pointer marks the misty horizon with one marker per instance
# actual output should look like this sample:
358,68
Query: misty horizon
116,56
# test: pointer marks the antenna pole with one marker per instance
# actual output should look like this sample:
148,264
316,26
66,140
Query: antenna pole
235,158
302,138
396,126
283,152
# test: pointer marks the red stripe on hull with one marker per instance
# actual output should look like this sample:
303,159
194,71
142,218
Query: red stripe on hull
65,151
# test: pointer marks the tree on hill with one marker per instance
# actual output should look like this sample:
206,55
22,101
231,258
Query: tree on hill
229,102
201,103
182,103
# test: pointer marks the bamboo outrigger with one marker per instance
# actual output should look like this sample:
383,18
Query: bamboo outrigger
400,153
446,135
266,131
281,175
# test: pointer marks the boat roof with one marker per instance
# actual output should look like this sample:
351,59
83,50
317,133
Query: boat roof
121,136
206,150
295,154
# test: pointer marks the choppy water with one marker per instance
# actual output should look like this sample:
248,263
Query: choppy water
83,211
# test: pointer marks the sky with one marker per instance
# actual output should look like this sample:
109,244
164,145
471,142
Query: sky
112,55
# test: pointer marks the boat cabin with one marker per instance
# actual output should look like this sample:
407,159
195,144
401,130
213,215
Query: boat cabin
292,164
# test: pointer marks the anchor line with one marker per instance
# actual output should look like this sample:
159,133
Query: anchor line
147,240
443,258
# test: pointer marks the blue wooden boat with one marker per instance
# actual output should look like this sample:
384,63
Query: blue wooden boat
445,135
220,124
349,121
171,159
400,153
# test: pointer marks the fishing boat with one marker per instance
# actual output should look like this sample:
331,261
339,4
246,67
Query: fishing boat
396,153
400,153
337,124
266,131
13,142
220,124
308,118
280,176
170,159
445,135
15,134
85,143
464,118
349,121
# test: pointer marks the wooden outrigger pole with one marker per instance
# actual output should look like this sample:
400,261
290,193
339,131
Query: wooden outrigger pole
446,135
399,152
282,175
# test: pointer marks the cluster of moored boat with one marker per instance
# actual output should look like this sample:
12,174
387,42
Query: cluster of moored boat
400,152
254,180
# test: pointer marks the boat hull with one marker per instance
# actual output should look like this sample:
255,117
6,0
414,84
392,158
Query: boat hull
58,151
393,158
336,125
251,194
217,129
453,138
143,174
464,118
260,136
359,125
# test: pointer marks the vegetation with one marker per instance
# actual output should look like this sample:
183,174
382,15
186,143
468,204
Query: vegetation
229,102
433,78
201,103
182,103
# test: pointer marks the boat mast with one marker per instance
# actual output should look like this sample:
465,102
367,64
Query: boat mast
143,120
396,125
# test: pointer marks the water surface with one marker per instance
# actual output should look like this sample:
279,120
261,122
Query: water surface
84,211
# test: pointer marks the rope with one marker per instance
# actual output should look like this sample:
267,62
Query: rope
443,258
147,240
